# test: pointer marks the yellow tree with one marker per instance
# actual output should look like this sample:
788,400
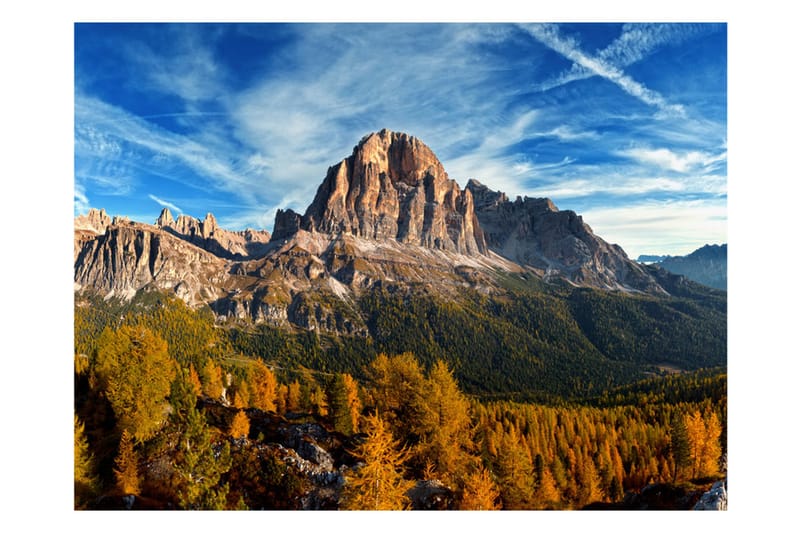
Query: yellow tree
240,425
378,483
398,390
293,397
211,379
262,385
445,425
704,444
134,371
126,471
480,492
547,492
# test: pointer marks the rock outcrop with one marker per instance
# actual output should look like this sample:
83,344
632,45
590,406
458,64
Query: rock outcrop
716,499
533,232
130,256
392,187
96,221
206,233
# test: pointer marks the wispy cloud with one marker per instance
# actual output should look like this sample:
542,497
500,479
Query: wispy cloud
164,203
549,35
671,160
81,201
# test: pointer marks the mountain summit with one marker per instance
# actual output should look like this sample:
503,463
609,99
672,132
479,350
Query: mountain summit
392,187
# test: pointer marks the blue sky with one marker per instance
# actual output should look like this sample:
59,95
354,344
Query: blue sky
625,124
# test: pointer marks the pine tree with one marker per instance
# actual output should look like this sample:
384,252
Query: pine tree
378,483
199,464
345,405
87,484
126,471
679,445
515,472
547,492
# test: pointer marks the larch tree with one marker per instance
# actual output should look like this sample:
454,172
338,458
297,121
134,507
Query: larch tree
240,425
211,380
704,443
378,483
515,472
398,392
263,386
445,426
126,466
480,492
134,369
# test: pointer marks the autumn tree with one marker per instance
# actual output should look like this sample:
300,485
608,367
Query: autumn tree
262,386
211,380
398,392
515,472
446,439
134,369
87,484
480,492
378,483
240,425
126,471
293,397
704,443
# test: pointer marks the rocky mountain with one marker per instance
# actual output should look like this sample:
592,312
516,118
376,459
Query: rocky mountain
392,187
387,215
534,233
207,234
707,265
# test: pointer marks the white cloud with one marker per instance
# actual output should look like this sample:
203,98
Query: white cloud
81,202
671,160
164,203
549,35
675,227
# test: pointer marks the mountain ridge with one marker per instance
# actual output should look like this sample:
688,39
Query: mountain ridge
387,215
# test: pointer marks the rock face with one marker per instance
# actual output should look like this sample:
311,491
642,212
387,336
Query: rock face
392,187
533,232
130,256
247,244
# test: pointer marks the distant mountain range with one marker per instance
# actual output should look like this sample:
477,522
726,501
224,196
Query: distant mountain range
707,265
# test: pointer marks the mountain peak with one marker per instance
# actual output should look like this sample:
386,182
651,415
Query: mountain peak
394,187
165,218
